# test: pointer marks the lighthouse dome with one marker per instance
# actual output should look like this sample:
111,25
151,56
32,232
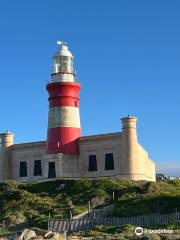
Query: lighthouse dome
63,50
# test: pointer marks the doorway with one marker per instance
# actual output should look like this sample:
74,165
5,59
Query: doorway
52,170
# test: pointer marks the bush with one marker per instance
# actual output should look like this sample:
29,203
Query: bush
151,188
92,233
132,195
151,237
79,209
81,185
41,222
131,209
98,197
3,231
169,187
9,186
15,218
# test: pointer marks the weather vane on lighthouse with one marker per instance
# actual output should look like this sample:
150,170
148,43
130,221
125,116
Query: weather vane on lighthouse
61,43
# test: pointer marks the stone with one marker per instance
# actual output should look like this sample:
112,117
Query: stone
27,234
48,235
38,238
55,236
75,238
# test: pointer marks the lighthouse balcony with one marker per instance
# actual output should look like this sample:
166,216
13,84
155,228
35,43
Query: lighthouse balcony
63,77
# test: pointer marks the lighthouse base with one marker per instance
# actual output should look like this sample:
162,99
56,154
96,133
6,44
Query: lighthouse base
63,140
65,166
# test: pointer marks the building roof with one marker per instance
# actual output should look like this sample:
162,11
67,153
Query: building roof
101,136
28,145
97,137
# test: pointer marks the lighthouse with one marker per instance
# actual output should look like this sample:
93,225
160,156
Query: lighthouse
63,119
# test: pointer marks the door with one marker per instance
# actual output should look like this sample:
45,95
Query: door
52,170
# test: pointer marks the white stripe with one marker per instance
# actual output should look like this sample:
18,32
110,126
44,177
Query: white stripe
63,117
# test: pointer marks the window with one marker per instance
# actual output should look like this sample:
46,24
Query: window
52,170
64,64
75,103
92,163
37,168
23,169
109,161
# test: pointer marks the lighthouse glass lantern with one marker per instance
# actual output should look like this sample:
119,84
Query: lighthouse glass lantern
62,70
62,64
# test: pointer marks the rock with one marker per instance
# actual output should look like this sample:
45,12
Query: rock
74,238
58,236
27,234
48,235
54,236
38,238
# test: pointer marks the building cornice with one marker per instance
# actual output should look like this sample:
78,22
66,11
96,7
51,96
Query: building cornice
99,137
28,145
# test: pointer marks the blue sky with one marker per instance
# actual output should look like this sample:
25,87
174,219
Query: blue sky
127,58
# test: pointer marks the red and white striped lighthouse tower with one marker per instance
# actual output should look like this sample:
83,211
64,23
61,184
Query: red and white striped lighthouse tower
63,121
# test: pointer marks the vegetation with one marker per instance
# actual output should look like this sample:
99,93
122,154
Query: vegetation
127,232
32,203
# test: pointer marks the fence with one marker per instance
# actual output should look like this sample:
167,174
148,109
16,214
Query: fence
85,224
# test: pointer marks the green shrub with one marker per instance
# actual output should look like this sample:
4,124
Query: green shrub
98,197
41,222
151,188
3,231
79,209
131,209
91,233
82,185
169,187
151,237
14,218
9,186
128,196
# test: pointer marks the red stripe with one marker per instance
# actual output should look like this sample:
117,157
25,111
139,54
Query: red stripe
63,94
64,101
64,139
